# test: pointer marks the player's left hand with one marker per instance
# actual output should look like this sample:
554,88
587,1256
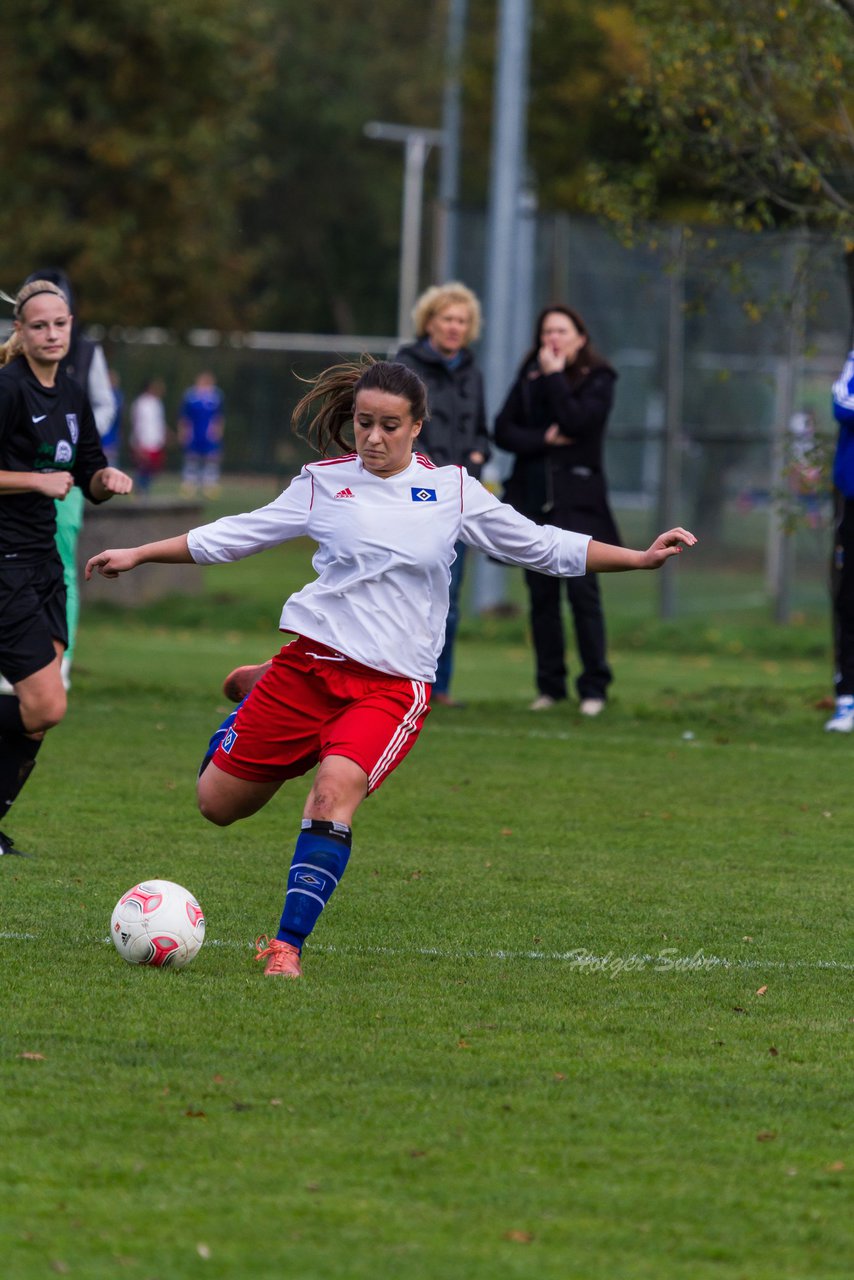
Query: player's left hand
115,481
666,545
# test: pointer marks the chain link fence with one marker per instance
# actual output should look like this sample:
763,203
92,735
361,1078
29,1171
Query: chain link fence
726,346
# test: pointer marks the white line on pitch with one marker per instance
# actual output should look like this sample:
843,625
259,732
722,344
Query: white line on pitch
579,957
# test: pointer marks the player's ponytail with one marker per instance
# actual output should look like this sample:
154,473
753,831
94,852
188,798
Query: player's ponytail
324,415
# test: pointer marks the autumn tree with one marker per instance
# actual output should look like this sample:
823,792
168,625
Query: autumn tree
581,53
326,222
746,110
127,137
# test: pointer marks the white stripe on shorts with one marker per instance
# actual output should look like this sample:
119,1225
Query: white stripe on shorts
407,726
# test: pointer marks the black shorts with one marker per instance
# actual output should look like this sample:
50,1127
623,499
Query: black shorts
32,616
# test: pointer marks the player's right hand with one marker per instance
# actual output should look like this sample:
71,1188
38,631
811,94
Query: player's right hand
56,484
111,563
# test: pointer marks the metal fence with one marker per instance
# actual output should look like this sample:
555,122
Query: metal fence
725,344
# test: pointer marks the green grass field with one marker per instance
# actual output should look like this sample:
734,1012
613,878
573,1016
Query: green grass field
580,1010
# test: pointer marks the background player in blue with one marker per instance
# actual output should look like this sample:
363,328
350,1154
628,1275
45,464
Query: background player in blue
48,443
350,694
842,568
201,424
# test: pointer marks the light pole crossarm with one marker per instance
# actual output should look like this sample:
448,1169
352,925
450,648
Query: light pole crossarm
417,143
383,132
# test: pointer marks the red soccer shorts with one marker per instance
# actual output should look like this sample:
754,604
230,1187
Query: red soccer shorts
315,702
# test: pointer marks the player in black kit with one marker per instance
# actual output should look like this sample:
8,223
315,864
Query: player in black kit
48,443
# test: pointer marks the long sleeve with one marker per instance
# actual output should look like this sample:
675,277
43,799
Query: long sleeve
843,412
235,537
843,393
498,530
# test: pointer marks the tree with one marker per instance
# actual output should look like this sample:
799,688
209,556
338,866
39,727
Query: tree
127,138
746,111
581,53
327,219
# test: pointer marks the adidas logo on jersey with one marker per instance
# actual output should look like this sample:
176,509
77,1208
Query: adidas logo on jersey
345,493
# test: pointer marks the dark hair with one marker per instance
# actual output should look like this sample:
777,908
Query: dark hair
588,357
330,401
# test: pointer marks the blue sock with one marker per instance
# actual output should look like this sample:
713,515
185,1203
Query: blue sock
220,736
320,857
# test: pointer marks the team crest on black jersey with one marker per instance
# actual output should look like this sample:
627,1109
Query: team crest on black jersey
73,428
423,495
63,453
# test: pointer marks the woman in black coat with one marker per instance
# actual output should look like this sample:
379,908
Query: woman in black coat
553,421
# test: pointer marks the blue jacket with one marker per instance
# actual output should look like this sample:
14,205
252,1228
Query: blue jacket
843,412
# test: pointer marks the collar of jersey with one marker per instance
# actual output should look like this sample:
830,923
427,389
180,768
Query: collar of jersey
413,462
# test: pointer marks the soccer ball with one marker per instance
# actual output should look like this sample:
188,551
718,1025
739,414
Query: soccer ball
158,923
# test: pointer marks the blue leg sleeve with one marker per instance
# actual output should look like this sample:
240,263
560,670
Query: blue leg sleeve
321,856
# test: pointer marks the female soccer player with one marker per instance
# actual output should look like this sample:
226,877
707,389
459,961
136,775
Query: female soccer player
48,443
351,692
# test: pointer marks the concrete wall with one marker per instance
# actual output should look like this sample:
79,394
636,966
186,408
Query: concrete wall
129,522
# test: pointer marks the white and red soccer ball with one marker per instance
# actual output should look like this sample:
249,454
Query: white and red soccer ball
158,923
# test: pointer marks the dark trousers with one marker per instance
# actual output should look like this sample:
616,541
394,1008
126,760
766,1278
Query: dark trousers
842,595
585,603
445,664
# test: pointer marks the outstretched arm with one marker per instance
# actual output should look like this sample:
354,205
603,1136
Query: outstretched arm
111,563
603,558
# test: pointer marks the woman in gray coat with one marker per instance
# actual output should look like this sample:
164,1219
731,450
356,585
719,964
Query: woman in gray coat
447,321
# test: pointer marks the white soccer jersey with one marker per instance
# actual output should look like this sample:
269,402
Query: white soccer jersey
385,547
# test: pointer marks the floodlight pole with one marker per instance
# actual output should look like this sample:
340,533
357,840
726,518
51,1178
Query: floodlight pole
417,143
447,250
506,196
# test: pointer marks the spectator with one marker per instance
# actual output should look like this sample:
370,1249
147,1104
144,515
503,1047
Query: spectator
554,422
447,321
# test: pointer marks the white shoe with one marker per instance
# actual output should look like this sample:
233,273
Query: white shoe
842,720
542,703
591,706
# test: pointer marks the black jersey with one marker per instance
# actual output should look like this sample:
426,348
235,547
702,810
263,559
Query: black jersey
41,429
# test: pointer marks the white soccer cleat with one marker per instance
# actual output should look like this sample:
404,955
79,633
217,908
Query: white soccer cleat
842,720
542,703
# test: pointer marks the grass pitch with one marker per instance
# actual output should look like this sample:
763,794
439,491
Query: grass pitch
580,1008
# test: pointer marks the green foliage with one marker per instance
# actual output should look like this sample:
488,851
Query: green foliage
125,134
204,164
580,54
327,220
747,114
